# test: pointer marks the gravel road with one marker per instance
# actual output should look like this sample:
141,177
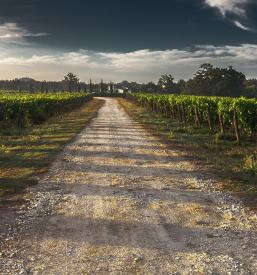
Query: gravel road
117,201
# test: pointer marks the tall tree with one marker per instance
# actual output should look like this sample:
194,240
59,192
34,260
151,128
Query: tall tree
251,88
166,83
209,80
101,86
90,86
72,81
111,88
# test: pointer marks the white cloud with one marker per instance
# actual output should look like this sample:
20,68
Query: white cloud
228,6
35,59
235,8
13,33
241,26
142,65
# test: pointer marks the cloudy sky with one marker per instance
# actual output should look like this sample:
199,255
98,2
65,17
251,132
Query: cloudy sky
133,40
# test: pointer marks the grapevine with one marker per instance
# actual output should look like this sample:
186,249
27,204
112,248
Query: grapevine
223,113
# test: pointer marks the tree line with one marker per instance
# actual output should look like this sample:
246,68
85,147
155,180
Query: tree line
70,83
208,80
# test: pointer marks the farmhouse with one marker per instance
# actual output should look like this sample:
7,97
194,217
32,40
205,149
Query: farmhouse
118,88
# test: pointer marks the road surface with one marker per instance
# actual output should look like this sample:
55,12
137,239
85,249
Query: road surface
119,202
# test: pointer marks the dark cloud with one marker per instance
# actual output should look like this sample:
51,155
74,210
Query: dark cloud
122,25
116,40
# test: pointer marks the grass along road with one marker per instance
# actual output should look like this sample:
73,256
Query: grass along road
232,164
126,204
26,153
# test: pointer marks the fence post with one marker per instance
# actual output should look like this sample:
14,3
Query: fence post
197,120
209,120
235,122
221,125
184,114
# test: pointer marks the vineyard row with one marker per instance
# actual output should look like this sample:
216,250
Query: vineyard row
24,109
222,113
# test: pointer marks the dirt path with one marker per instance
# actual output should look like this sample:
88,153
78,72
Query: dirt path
117,202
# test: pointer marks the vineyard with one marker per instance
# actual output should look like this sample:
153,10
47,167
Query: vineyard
24,109
218,113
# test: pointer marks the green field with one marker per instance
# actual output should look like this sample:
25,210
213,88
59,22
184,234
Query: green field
22,109
27,150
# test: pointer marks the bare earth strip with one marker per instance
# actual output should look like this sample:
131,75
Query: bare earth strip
116,201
